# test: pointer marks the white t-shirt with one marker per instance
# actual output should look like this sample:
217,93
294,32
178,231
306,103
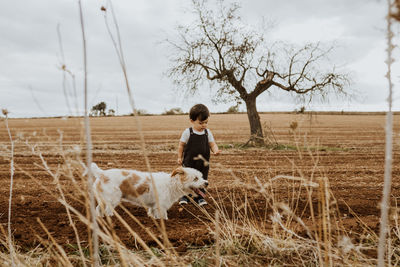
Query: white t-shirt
186,134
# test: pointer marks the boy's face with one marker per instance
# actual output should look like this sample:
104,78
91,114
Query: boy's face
199,125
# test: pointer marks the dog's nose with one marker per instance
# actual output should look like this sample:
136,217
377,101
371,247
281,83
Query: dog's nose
206,183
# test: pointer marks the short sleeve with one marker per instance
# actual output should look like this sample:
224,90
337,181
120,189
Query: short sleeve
185,136
210,136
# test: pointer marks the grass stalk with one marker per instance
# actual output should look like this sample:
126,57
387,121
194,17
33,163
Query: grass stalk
10,240
66,72
388,144
217,240
117,43
90,181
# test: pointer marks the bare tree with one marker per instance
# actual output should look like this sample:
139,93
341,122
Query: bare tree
238,62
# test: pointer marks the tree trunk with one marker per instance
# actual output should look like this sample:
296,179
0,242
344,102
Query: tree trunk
256,132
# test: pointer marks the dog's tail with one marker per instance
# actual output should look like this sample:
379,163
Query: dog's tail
94,168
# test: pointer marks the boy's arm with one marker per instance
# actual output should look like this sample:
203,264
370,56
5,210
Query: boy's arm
214,148
181,146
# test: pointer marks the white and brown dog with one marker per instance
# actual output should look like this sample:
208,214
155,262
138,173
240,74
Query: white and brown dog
115,185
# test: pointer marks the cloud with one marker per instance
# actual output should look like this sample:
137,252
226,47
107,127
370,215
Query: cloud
31,55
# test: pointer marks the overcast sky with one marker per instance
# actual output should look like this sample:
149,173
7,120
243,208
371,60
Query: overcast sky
31,82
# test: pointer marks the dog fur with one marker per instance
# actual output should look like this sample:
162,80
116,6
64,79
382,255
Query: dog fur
115,185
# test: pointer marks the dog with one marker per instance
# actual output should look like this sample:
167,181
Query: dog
115,185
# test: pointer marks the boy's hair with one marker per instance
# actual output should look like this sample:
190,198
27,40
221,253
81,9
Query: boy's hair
200,112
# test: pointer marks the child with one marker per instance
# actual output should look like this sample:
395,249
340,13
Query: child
195,141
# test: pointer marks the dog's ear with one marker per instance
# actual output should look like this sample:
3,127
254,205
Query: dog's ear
177,171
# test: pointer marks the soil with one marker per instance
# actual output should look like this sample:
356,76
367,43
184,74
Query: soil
347,150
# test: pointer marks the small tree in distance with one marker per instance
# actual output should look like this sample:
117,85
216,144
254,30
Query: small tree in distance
239,65
99,109
111,112
173,111
140,112
233,109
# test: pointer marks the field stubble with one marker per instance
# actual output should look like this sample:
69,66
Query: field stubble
347,150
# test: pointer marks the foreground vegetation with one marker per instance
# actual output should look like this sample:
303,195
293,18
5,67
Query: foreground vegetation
310,234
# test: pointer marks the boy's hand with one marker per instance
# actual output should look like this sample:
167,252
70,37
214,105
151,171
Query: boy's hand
216,153
179,161
214,148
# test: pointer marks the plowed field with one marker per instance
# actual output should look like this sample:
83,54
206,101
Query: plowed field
346,149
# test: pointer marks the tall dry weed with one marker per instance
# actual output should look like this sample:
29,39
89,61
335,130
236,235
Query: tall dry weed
118,47
385,204
92,214
10,239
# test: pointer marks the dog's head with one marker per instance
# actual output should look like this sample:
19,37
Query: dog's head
191,180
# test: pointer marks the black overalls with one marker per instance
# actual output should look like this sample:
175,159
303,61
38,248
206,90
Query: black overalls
197,144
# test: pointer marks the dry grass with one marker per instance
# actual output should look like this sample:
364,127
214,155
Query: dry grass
243,232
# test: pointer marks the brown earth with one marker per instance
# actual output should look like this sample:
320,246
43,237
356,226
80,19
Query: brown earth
346,149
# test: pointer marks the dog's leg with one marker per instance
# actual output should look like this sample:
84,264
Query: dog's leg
104,207
99,213
115,199
154,213
109,209
165,214
158,214
150,212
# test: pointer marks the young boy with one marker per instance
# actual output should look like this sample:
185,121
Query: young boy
195,141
